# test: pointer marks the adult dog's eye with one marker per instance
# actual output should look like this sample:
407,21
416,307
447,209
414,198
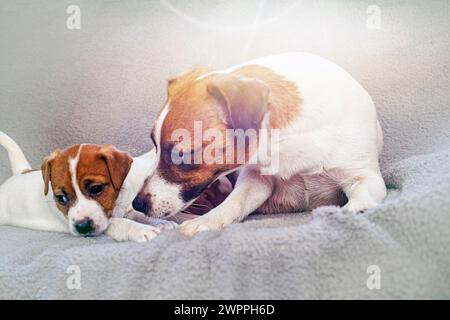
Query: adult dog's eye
187,161
96,190
188,166
62,199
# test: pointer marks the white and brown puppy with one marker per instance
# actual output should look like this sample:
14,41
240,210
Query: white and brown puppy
329,140
92,186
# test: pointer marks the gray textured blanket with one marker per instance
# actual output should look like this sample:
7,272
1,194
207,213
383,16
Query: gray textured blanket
106,82
326,254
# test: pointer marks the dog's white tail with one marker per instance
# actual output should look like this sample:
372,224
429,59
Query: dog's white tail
17,159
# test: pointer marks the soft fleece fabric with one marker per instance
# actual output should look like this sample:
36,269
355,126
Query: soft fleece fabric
301,255
106,82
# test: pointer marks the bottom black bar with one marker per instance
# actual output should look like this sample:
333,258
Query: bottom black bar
217,309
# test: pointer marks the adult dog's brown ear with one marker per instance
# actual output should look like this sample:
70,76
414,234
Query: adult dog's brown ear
47,169
244,100
177,84
118,164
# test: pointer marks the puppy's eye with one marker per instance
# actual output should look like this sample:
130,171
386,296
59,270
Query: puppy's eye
96,190
62,199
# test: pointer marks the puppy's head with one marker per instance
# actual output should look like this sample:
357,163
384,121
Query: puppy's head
198,110
86,180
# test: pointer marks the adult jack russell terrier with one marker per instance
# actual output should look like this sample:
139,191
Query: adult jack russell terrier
329,140
92,190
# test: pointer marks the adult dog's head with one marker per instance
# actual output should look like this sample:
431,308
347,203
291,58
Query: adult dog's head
197,135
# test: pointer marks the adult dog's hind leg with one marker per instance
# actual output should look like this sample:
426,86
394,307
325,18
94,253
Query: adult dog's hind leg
364,190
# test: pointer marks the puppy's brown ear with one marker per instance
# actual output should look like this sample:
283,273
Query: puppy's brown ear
47,169
118,164
244,100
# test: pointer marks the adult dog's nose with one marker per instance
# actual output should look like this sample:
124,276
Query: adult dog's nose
141,203
84,226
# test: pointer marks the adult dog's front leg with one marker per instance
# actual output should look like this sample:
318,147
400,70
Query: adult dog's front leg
250,192
122,229
159,223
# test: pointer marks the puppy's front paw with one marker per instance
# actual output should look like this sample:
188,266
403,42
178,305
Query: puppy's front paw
192,227
142,233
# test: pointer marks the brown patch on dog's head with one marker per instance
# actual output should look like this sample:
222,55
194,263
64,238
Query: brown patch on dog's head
239,100
100,173
103,167
244,101
55,172
190,102
284,101
47,169
176,85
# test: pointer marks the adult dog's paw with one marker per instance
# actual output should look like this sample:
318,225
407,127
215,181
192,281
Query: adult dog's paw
142,232
165,224
192,227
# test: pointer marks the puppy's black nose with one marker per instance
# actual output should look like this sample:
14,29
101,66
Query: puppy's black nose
141,204
84,226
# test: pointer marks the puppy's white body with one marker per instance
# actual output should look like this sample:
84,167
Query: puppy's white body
23,203
336,134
